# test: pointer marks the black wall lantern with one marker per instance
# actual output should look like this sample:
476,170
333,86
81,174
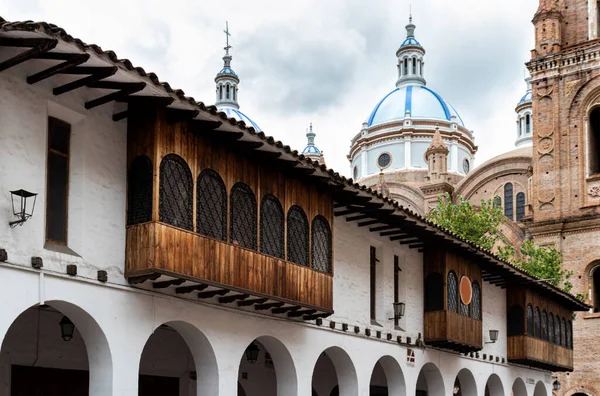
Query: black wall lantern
556,385
23,204
67,328
252,353
398,310
493,336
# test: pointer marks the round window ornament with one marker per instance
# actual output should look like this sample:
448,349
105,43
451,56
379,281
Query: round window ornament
384,160
466,165
466,290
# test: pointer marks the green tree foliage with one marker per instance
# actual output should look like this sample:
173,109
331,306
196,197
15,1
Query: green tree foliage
482,227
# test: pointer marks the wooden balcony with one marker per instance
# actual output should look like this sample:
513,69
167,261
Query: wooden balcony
169,256
450,330
539,353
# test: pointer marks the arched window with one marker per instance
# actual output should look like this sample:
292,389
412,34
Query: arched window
520,127
550,327
596,288
520,206
176,192
405,66
220,92
321,245
529,320
516,321
594,141
414,66
271,227
211,205
452,292
569,335
233,91
434,295
527,123
508,200
139,191
563,333
227,91
544,325
476,301
536,323
243,216
557,333
297,236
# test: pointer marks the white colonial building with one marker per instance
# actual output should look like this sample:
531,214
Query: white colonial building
176,251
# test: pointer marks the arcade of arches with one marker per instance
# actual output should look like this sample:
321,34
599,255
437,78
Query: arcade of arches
67,354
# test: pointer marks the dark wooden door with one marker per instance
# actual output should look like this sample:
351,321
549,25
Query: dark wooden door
41,381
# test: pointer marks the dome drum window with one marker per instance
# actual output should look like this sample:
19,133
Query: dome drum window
384,160
466,165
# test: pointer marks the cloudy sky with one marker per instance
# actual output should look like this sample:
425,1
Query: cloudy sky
325,62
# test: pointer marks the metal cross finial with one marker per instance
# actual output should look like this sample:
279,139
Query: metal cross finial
410,12
227,34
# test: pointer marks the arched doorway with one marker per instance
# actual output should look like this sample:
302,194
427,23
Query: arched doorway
540,389
519,388
464,384
178,360
267,368
334,374
430,382
387,378
595,283
60,346
493,386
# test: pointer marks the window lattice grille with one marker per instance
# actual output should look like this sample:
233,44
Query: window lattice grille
211,205
544,325
176,192
550,327
434,296
476,301
243,216
563,333
464,308
297,236
520,206
529,320
452,292
557,334
508,200
321,245
139,207
516,324
537,323
271,227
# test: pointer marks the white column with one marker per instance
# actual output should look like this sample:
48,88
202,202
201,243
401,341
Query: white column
592,19
364,164
407,153
454,155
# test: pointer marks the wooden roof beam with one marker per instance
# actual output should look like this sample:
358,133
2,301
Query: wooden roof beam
126,89
165,284
43,46
382,228
409,241
394,232
177,115
95,74
74,60
358,217
368,223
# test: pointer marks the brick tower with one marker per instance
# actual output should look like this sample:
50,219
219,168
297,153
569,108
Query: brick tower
565,204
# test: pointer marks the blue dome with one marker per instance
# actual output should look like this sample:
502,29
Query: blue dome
311,149
410,41
227,71
421,101
238,115
526,98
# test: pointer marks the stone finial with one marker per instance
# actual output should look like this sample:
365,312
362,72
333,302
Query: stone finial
437,143
382,187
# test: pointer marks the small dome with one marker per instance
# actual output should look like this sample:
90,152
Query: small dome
410,41
226,71
311,149
419,100
526,98
238,115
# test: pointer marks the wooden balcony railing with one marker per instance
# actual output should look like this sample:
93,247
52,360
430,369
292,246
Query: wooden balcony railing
451,330
539,353
159,249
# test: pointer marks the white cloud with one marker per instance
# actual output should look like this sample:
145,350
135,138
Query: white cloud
314,61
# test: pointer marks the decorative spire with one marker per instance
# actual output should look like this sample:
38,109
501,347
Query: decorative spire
227,81
382,187
436,156
310,135
311,151
410,58
437,143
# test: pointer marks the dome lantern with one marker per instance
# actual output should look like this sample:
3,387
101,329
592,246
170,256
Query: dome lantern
410,59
